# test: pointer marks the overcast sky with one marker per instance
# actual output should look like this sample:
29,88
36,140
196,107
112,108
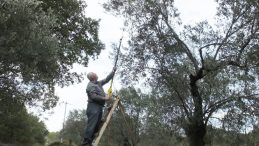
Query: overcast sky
110,31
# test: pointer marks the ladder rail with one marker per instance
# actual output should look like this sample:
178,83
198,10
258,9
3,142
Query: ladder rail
107,120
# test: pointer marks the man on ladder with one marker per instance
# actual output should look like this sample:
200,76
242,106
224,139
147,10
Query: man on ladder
96,102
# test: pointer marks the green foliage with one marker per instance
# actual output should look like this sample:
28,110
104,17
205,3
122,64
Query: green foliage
53,137
39,43
139,123
74,126
252,136
218,137
126,122
143,122
27,51
18,126
59,144
77,34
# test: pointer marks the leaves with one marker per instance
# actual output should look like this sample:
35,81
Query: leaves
18,126
74,126
39,43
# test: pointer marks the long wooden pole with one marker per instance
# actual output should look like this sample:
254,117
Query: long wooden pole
115,103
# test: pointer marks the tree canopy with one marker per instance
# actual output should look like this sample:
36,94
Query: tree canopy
40,41
198,71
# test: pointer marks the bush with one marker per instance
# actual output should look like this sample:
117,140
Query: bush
59,144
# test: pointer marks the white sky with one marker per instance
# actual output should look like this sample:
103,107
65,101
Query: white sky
110,32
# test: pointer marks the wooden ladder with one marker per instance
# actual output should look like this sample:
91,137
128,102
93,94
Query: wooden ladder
106,122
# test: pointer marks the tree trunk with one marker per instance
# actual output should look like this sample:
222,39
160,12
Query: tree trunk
196,128
196,133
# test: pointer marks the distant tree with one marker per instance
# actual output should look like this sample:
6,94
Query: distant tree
140,122
253,140
74,126
39,43
53,137
125,126
115,132
133,102
157,129
199,71
59,144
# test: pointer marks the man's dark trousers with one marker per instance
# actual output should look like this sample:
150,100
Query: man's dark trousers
94,115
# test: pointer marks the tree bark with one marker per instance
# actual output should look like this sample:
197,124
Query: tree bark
196,127
196,133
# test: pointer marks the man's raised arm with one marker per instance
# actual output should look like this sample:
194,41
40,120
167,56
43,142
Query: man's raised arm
109,77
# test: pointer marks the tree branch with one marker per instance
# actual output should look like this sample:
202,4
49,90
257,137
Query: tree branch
202,60
229,33
169,86
211,109
240,52
184,46
208,45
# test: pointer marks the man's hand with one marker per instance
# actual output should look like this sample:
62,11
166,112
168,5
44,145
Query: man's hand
107,97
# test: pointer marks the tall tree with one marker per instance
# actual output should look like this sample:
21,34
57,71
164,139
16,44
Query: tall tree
199,71
39,43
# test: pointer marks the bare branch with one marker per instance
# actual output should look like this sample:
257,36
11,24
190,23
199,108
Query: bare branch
202,60
184,46
212,44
